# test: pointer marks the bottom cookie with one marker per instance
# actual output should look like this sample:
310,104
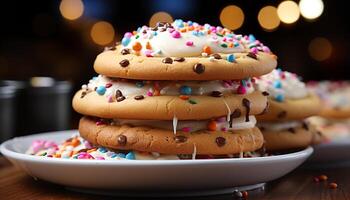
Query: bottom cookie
147,139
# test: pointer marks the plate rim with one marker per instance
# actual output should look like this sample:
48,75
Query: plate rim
24,157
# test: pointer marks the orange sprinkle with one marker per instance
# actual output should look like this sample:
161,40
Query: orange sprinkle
75,142
91,150
212,125
156,93
57,155
190,28
183,30
134,32
209,31
148,46
323,177
71,154
184,97
137,46
207,49
333,185
245,194
230,44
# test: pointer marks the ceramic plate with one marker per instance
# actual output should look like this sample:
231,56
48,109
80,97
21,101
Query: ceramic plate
177,177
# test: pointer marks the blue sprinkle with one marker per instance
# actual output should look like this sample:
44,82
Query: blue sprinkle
251,38
102,150
155,33
125,41
130,156
279,97
206,26
120,155
94,78
179,23
195,33
114,155
277,84
231,58
201,33
185,90
229,35
139,84
190,23
236,44
101,90
138,29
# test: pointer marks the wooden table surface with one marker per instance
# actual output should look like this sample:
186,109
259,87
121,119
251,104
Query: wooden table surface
15,184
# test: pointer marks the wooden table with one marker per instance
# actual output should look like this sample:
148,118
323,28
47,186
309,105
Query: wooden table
15,184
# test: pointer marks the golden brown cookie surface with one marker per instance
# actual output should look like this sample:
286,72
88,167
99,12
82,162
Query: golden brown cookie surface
164,141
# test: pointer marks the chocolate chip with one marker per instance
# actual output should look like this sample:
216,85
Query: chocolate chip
220,141
83,94
167,60
109,48
180,139
122,140
82,150
95,88
118,93
252,55
246,104
125,51
179,59
236,113
199,68
216,56
265,93
305,126
124,63
139,97
292,130
121,98
282,114
216,94
162,29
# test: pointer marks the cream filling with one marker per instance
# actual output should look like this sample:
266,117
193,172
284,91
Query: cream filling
279,126
191,125
170,88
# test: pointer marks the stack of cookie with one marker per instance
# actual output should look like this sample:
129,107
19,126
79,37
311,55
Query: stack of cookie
178,89
290,102
333,122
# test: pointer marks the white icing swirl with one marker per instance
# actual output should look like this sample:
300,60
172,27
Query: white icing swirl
169,88
192,125
282,84
184,39
279,126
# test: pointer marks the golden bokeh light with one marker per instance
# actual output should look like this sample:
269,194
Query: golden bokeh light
102,33
311,9
320,49
288,12
232,17
71,9
160,17
268,18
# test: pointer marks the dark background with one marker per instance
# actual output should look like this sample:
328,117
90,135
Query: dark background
35,40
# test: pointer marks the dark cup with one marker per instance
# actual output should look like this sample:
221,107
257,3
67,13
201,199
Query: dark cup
48,105
7,111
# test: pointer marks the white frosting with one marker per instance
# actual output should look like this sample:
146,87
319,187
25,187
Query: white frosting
282,83
279,126
170,88
193,125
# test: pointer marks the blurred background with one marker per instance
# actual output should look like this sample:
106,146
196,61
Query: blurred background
61,39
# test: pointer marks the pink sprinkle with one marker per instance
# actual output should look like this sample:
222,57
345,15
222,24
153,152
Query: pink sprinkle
108,85
266,49
99,158
223,129
49,144
254,50
98,123
189,43
176,34
110,99
128,35
87,144
171,30
149,93
186,129
241,89
226,85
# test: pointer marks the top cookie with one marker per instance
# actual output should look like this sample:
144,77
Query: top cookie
186,51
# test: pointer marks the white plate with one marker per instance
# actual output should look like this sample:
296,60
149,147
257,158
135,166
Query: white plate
216,175
331,152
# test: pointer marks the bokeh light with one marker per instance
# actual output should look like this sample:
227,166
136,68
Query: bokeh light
311,9
320,48
102,33
160,17
288,12
268,18
232,17
71,9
